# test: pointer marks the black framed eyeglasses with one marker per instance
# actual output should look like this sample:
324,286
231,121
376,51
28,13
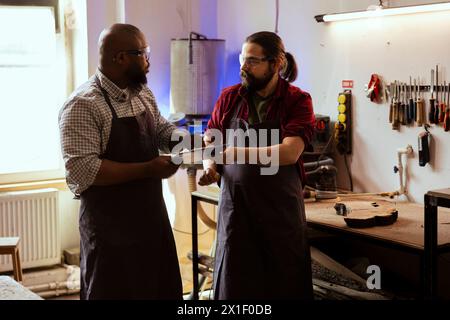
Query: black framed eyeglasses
140,53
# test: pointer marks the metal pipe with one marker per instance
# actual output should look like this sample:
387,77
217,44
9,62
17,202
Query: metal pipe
71,285
57,293
316,164
402,170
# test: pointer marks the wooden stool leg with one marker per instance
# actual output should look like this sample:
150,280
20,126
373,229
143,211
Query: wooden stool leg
14,261
19,265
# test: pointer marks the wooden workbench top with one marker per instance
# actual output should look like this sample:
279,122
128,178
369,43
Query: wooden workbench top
408,229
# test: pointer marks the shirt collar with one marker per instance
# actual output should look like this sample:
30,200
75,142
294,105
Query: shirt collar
120,95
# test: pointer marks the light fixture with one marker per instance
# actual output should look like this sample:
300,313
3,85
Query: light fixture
382,11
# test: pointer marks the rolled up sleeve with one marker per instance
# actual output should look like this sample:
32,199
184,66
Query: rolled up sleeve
80,143
300,119
217,114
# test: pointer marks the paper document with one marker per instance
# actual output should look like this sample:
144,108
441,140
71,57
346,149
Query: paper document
197,155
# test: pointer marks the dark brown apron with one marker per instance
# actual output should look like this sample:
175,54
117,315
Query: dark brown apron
262,250
127,245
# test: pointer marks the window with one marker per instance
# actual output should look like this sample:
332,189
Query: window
33,85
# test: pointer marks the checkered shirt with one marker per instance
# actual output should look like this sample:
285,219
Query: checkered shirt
85,125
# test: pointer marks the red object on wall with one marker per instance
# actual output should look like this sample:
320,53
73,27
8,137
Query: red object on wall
347,84
374,91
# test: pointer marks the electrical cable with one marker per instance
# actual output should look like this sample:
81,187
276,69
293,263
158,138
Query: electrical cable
348,172
189,233
277,15
324,151
322,154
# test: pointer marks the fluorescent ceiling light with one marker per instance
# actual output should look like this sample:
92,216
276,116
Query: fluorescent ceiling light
380,11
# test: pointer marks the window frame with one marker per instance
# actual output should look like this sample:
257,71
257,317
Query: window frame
37,3
67,47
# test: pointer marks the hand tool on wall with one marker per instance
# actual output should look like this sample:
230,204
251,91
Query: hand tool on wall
391,107
432,100
420,107
436,110
405,90
396,117
424,147
443,104
415,100
447,111
402,109
410,103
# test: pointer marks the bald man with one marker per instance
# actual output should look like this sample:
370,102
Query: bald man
111,134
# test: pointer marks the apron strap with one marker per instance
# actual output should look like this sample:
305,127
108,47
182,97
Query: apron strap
106,96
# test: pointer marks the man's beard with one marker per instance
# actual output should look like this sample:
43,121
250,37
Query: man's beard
136,78
252,83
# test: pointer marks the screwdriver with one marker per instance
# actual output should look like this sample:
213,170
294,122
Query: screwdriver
396,123
443,104
432,100
405,104
447,111
436,111
420,107
415,100
391,107
402,108
411,103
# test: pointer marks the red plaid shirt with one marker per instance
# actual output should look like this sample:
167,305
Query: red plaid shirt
295,111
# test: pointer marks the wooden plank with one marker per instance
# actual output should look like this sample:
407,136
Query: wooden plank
442,193
9,243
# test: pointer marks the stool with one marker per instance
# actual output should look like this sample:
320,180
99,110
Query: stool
11,246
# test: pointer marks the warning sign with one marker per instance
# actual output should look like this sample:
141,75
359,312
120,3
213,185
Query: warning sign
347,84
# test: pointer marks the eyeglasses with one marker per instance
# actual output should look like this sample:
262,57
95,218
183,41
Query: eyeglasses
140,53
252,61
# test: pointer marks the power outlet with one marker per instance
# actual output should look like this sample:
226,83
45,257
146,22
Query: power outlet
343,132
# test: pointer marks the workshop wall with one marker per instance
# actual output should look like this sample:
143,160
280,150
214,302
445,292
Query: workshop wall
394,47
160,21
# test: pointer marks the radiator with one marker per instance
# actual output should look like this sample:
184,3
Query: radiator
32,216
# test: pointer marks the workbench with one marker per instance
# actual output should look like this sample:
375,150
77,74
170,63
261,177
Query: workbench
407,234
12,290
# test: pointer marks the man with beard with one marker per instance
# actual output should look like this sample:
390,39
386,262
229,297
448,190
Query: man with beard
262,250
111,131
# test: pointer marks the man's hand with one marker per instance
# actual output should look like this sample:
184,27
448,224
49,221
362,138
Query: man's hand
162,167
209,176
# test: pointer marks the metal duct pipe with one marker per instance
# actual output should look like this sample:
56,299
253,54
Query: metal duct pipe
71,285
57,293
322,169
191,49
316,164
